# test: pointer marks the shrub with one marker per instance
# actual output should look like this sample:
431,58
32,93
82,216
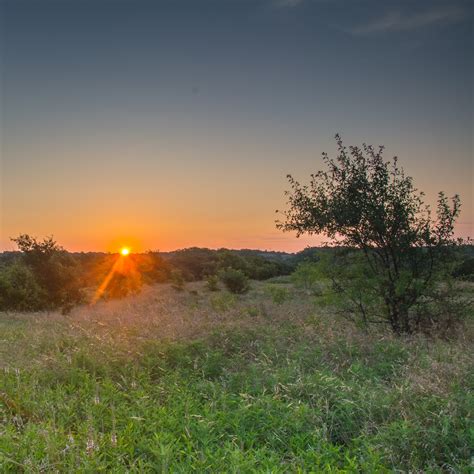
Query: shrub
306,276
55,272
278,294
223,301
177,280
235,280
19,290
465,270
212,283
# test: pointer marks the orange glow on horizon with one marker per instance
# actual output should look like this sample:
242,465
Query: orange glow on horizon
124,251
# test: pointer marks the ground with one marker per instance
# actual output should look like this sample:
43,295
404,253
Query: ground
193,380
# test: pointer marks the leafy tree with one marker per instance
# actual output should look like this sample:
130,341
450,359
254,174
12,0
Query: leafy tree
366,203
55,271
19,290
195,263
153,268
229,259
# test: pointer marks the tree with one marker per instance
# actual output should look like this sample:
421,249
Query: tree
362,202
55,271
19,290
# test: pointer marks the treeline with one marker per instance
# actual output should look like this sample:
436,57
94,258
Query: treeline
42,275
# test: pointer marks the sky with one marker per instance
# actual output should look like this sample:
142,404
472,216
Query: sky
169,124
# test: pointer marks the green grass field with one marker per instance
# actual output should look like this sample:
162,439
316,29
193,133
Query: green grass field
202,381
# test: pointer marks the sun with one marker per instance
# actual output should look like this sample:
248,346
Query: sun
124,251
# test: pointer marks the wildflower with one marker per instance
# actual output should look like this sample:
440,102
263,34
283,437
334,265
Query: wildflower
91,446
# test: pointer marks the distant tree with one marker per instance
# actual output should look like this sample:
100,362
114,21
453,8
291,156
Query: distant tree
366,203
229,259
153,268
195,263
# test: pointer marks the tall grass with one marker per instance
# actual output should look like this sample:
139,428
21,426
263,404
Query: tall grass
179,382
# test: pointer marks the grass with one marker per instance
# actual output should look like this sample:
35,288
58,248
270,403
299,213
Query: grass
201,381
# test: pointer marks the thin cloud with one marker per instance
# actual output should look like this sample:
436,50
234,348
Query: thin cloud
396,21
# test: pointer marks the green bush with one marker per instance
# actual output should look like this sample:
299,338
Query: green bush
465,270
212,283
45,276
19,290
307,276
223,302
278,294
235,280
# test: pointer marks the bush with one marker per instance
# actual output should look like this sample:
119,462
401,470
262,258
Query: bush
278,294
177,280
235,280
306,276
213,283
19,290
54,271
465,270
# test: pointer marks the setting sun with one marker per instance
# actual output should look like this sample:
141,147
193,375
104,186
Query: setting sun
125,251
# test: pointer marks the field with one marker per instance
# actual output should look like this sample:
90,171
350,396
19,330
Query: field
194,380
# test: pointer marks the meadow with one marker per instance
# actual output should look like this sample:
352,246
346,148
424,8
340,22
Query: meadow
195,380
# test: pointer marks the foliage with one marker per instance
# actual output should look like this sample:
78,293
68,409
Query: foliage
124,280
177,280
42,275
19,290
194,263
364,202
465,269
212,283
46,276
278,294
198,263
235,280
223,302
307,276
153,267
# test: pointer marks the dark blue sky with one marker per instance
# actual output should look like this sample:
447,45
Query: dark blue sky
185,116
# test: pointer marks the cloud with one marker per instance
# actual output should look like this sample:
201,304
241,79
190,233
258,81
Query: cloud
396,21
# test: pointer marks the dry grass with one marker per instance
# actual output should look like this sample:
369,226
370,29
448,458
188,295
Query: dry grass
161,313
